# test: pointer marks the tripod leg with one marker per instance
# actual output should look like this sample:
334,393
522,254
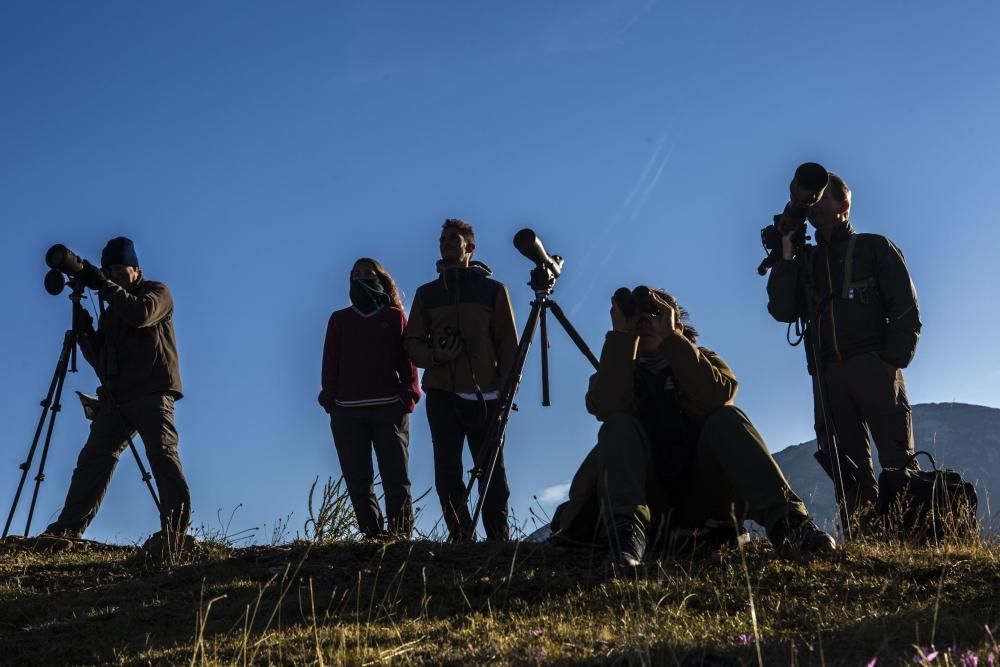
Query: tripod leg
544,349
836,471
46,402
60,372
146,476
55,409
573,333
498,422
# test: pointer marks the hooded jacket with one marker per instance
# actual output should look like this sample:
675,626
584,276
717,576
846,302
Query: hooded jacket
876,312
469,301
134,350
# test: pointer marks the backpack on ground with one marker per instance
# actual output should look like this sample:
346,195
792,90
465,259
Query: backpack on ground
927,505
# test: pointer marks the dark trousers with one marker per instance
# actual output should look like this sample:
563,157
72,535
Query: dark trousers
453,420
152,416
386,428
867,402
733,473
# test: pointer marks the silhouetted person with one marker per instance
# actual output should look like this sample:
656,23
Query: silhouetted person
675,460
134,353
370,388
461,332
856,295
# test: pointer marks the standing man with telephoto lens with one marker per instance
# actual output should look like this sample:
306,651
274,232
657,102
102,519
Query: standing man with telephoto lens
461,331
369,389
134,353
676,463
854,295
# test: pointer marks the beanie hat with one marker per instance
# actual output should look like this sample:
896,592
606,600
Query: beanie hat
119,250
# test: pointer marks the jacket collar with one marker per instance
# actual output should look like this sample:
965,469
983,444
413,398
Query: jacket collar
474,269
840,233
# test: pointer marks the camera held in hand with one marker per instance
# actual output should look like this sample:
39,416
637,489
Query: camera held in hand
633,301
806,189
449,338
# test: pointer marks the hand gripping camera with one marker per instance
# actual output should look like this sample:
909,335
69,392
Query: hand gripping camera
805,190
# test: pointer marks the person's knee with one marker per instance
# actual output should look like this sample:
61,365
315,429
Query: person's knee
724,419
727,427
620,429
94,453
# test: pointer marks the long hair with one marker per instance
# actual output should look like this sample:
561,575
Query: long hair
384,279
682,315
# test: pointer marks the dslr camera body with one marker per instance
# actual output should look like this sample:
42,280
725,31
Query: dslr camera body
448,337
806,189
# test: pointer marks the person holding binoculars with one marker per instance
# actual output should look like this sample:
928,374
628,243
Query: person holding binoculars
676,463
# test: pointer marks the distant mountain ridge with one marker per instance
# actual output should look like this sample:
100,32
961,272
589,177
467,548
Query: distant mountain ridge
959,436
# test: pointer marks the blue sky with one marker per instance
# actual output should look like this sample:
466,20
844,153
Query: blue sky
253,150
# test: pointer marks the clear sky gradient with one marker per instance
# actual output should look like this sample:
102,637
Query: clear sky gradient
253,150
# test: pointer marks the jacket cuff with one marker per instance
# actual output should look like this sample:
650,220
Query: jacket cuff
326,399
409,400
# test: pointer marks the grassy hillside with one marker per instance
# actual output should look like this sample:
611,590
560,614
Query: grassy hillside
409,603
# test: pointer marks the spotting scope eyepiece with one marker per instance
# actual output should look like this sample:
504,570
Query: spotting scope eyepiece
529,245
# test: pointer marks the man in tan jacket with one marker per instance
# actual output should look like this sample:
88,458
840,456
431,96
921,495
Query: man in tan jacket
461,332
674,455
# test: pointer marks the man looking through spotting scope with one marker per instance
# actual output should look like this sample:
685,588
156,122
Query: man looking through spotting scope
461,332
854,295
675,459
134,353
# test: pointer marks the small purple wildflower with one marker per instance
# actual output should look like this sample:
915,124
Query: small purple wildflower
970,659
745,639
990,659
537,632
871,663
538,654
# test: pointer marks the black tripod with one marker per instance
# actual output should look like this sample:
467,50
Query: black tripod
543,280
51,406
829,458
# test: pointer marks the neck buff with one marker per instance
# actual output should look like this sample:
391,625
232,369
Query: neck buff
367,294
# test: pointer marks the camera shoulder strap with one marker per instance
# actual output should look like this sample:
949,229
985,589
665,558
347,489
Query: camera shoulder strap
848,267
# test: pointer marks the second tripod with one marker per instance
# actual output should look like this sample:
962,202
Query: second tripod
543,280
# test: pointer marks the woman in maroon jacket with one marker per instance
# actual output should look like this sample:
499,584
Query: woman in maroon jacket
369,389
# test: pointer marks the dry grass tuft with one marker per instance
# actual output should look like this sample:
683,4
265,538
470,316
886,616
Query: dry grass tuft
414,602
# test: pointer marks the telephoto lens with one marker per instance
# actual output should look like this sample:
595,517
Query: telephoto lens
61,258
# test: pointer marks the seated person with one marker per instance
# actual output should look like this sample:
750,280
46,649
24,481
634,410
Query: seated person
674,455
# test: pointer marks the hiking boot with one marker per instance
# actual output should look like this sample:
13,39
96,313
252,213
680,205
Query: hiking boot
52,541
169,548
628,543
800,533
